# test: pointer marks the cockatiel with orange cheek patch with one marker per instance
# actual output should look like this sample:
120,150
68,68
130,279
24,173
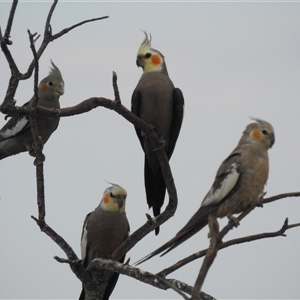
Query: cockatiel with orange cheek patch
15,136
104,230
159,103
238,185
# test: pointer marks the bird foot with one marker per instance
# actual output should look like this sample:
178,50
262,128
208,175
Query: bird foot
158,147
260,200
40,161
235,221
32,150
259,204
149,218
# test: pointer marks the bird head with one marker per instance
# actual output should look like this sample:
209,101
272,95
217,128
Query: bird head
261,132
114,199
150,59
53,84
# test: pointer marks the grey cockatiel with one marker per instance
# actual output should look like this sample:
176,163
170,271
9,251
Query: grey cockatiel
159,103
15,136
238,185
104,230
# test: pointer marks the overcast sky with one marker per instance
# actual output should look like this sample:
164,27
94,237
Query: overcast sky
231,61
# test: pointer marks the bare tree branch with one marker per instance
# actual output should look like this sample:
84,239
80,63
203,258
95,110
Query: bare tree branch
134,238
280,196
93,274
66,30
76,266
7,107
250,238
139,274
209,257
57,239
37,143
47,29
10,22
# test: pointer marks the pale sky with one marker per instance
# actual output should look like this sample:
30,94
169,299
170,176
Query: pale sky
231,61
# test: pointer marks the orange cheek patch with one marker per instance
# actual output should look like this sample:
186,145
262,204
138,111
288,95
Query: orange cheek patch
256,134
106,198
156,60
44,86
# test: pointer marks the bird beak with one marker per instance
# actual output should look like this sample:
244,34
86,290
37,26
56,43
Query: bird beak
121,200
60,89
272,140
140,62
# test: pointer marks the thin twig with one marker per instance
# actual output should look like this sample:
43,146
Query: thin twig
8,105
280,196
250,238
232,224
116,89
57,239
48,20
10,22
66,30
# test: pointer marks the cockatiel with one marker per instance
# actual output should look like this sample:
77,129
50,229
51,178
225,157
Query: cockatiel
104,230
15,136
238,185
159,103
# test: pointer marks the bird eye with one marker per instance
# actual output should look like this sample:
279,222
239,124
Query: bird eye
112,195
148,55
264,131
50,83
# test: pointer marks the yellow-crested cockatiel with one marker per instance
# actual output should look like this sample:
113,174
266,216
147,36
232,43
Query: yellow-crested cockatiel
15,136
104,230
159,103
238,185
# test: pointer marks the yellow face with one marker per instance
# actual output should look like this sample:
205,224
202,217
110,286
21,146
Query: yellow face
148,59
114,199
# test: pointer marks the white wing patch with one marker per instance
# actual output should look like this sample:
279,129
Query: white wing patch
213,197
13,131
83,242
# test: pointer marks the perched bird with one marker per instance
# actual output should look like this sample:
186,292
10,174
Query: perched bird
104,230
15,136
159,103
238,185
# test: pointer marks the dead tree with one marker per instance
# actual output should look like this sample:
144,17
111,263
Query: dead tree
101,268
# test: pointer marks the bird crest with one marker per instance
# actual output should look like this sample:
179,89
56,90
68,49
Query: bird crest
146,44
115,189
54,71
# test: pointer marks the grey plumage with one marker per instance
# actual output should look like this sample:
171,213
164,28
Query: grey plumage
104,230
238,185
159,103
15,135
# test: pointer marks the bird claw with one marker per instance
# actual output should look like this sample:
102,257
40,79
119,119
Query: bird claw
6,39
127,262
152,126
149,218
259,203
78,262
235,221
40,161
162,145
260,200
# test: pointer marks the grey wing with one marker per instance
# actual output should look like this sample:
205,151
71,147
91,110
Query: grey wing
178,111
135,109
15,126
226,181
